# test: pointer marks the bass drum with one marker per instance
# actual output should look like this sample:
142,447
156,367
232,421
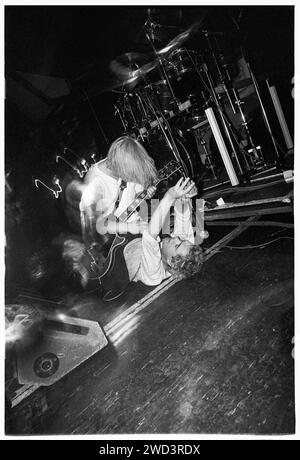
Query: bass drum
161,153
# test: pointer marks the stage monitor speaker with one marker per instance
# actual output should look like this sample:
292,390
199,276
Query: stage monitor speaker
65,343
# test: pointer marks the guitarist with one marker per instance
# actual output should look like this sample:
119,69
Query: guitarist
108,188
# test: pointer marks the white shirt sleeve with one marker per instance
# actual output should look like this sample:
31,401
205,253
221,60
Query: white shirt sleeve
183,220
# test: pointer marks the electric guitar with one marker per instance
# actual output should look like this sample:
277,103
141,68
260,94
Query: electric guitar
111,273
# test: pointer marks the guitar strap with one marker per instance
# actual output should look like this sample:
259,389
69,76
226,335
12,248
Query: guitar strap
123,186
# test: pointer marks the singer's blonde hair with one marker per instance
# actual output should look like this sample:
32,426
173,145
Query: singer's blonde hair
186,266
128,160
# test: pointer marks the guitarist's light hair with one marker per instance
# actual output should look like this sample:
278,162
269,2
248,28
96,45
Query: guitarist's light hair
128,160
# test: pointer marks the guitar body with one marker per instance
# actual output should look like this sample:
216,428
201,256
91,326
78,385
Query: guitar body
105,267
114,276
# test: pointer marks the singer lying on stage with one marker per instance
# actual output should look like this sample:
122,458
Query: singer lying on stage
148,258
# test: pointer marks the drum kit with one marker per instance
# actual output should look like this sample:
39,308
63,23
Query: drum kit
162,96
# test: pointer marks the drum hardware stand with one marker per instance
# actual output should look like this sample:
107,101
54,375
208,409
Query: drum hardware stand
175,146
244,173
280,115
246,154
268,126
279,160
256,158
220,75
201,143
162,68
127,96
142,105
234,154
117,111
122,116
170,142
167,80
143,131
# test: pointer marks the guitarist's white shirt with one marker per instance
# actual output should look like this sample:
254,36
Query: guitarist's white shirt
143,255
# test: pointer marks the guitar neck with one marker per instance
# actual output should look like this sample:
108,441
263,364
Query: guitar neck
134,205
165,173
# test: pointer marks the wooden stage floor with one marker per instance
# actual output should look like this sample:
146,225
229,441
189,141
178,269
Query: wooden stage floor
211,354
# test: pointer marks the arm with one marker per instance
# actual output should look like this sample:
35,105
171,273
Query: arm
111,226
183,220
179,190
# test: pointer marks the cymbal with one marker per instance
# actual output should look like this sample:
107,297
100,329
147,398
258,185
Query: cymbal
177,41
132,60
127,76
124,65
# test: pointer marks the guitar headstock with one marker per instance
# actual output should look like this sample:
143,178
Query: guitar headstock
169,169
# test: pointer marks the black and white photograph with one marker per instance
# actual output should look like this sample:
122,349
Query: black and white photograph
149,220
